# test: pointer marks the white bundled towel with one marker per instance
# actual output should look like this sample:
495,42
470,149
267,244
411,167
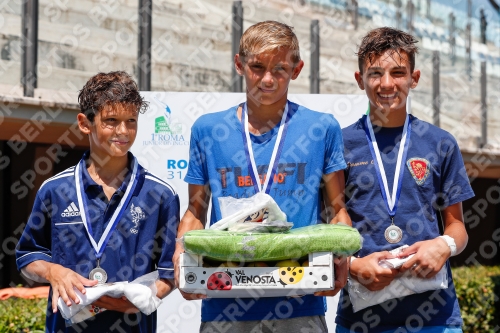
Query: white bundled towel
403,285
141,293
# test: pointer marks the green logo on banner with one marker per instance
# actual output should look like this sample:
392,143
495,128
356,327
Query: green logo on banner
161,125
167,130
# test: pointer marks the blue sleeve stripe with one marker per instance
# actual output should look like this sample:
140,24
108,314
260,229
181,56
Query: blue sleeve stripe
166,269
165,273
27,254
159,181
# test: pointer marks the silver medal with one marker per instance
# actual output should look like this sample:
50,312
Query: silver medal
98,274
393,234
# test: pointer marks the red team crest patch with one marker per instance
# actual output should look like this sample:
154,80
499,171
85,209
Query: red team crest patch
419,169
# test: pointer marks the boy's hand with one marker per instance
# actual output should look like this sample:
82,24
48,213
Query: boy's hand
341,271
369,273
64,281
430,256
121,304
187,296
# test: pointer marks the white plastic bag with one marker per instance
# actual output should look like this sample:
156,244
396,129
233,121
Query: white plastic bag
403,285
259,208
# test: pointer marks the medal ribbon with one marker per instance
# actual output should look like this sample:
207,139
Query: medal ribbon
278,147
391,201
118,213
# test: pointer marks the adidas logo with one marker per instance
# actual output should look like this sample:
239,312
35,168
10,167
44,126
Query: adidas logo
72,210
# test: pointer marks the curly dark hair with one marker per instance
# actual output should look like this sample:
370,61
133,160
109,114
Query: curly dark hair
110,88
379,40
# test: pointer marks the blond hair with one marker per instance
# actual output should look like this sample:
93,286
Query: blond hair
269,36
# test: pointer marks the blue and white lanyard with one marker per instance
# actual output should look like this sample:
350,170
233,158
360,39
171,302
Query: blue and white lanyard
391,200
278,147
118,213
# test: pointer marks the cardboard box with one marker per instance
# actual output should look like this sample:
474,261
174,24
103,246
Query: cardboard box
254,282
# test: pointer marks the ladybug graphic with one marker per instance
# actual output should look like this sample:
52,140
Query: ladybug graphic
94,310
290,275
220,281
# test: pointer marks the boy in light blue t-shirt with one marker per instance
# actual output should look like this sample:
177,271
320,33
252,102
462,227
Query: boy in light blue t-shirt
296,149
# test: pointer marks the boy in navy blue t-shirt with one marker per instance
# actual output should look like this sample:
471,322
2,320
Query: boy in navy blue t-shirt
273,145
401,173
107,218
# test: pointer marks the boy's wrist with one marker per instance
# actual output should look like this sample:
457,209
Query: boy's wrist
451,244
351,260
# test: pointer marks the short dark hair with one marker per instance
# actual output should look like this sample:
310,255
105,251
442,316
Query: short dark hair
105,89
379,40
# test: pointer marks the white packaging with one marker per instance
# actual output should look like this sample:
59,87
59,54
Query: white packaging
403,285
260,207
256,282
141,293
